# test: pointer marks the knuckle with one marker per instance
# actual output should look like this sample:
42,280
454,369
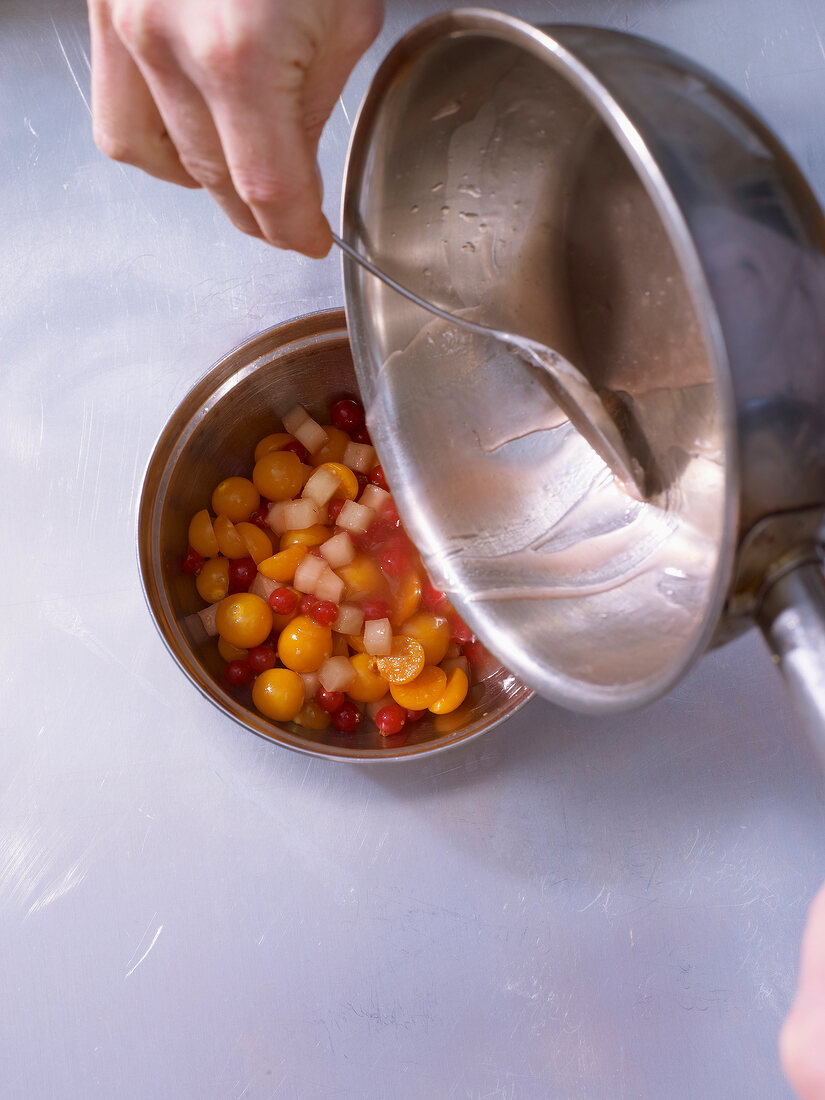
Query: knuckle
114,146
211,174
249,227
140,25
223,59
275,190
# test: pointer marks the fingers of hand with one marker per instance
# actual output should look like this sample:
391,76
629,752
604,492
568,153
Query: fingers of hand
242,91
191,127
149,33
255,94
127,124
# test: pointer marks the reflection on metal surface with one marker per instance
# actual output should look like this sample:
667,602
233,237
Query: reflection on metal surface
572,392
609,199
539,224
530,523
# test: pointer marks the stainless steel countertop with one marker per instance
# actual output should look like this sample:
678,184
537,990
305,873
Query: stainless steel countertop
565,908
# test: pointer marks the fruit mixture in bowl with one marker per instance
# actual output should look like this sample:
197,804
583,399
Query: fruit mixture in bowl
320,605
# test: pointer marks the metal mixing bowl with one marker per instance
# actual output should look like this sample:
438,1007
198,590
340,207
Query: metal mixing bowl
212,435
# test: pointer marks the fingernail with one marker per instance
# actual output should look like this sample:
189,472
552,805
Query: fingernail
319,248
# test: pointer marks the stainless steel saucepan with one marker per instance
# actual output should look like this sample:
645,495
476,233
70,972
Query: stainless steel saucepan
605,196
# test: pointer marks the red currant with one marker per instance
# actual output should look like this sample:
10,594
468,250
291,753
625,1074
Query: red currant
297,447
192,562
431,597
376,476
474,651
459,631
324,613
283,600
396,560
378,532
330,701
307,604
347,414
361,435
334,508
258,517
347,718
242,572
415,715
261,657
375,608
391,719
238,673
389,514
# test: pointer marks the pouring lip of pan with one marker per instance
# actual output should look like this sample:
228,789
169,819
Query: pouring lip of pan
540,42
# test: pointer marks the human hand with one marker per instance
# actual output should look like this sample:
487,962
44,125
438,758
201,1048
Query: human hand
229,95
802,1040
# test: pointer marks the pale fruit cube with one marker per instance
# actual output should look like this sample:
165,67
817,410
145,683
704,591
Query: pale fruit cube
339,550
378,637
350,619
294,418
300,514
329,586
207,616
359,456
308,573
374,497
355,517
336,674
321,486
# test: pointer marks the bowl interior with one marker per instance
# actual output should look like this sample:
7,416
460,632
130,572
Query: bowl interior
212,435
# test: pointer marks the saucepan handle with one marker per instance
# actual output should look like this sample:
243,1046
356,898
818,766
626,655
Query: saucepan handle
792,617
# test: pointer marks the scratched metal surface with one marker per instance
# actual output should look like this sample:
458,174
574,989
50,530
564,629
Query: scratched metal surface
567,908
